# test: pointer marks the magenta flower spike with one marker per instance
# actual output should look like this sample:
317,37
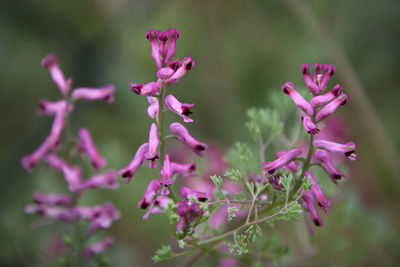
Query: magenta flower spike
107,179
151,191
29,161
73,176
309,204
137,161
153,109
52,199
328,71
51,108
188,211
311,85
50,62
187,193
106,93
183,169
148,89
153,145
152,36
104,219
98,248
317,71
323,201
285,159
308,125
182,109
289,89
324,99
173,36
327,165
86,144
163,37
184,136
331,107
166,172
348,149
187,64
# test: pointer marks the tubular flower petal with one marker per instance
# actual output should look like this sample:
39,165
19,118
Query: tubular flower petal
309,204
187,139
291,166
311,85
152,36
86,144
153,109
98,248
288,88
50,63
166,172
187,193
52,199
308,125
328,71
323,201
182,109
104,218
163,37
187,64
151,191
331,107
153,143
321,100
148,89
327,165
106,93
51,108
157,206
183,169
136,162
285,159
173,36
104,180
188,211
60,213
348,149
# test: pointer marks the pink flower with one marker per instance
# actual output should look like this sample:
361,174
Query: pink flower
151,191
309,204
187,64
51,108
136,162
187,139
72,174
187,193
285,159
166,172
152,36
308,124
98,248
324,99
327,165
182,169
348,149
86,144
163,37
182,109
153,109
52,199
153,144
288,88
60,213
323,201
104,218
319,82
106,93
158,205
173,36
104,180
50,63
331,107
148,89
188,211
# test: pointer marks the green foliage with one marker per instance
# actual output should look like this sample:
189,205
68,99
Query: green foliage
263,123
241,196
170,212
290,213
273,248
164,253
306,184
240,244
182,244
234,175
231,213
286,181
252,232
218,194
240,156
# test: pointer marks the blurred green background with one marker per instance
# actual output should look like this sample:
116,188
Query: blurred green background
243,50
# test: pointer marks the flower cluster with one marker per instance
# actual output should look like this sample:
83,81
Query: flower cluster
59,155
320,106
158,193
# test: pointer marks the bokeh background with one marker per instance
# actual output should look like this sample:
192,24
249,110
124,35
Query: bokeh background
243,51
